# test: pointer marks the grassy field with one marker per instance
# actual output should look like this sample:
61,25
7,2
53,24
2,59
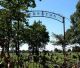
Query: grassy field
51,59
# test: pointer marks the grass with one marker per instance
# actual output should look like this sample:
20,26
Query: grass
52,59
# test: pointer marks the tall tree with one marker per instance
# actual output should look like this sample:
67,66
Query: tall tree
70,35
13,12
60,41
37,35
3,30
75,21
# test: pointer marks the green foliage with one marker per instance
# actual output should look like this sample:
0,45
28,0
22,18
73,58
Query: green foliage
13,11
75,20
59,39
57,58
76,49
69,35
57,50
37,35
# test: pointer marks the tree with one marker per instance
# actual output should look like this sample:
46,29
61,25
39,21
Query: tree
3,31
15,32
59,41
37,36
69,34
69,50
76,49
11,12
75,21
57,50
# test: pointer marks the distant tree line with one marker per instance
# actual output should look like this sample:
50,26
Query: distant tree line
74,49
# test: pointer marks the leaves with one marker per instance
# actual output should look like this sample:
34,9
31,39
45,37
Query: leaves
37,34
11,12
75,20
59,39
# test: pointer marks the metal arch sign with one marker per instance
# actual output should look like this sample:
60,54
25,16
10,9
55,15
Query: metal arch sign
47,14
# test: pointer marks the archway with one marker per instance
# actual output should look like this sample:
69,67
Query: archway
47,14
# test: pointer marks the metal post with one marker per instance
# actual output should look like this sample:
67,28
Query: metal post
64,28
64,44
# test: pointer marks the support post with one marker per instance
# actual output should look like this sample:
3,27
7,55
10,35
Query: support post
64,44
64,28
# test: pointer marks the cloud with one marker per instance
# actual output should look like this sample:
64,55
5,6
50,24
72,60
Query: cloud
24,47
48,47
51,47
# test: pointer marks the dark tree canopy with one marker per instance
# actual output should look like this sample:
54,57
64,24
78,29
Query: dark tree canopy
76,49
75,21
10,14
37,34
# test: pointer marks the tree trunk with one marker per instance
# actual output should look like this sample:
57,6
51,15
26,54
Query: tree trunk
65,57
8,22
64,50
2,52
8,49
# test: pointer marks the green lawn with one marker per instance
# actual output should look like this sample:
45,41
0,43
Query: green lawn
51,59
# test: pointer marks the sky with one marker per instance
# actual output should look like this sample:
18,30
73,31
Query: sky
63,7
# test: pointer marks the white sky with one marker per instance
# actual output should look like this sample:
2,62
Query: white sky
48,47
